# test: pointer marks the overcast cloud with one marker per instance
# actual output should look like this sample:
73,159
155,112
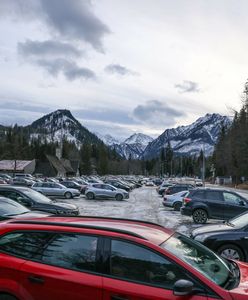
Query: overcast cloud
83,55
188,87
119,70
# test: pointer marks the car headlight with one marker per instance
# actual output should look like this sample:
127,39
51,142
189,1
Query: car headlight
201,238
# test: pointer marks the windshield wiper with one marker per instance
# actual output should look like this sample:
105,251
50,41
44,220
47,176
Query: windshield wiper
229,224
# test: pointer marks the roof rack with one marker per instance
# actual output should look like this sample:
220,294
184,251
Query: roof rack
76,225
107,218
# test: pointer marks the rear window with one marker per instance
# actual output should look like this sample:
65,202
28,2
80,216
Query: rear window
199,194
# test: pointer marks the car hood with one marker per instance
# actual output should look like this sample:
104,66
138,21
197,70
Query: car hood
211,228
241,291
55,205
32,214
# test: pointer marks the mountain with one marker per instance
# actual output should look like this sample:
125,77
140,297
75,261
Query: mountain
133,147
191,139
107,139
61,123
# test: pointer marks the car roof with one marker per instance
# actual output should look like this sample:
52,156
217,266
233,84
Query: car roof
17,188
141,229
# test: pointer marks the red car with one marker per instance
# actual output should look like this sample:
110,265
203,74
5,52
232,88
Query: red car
93,258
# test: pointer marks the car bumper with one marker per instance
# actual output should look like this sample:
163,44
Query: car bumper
186,211
167,204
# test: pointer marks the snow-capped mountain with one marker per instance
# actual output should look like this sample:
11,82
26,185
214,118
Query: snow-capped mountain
133,147
108,139
61,124
191,139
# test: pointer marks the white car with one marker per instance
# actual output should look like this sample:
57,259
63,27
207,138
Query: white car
174,200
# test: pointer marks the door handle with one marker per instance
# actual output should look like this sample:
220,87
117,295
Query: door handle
115,297
35,279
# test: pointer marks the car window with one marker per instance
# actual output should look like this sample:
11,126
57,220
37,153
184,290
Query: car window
24,244
132,262
214,195
71,251
231,198
97,186
11,194
45,184
199,194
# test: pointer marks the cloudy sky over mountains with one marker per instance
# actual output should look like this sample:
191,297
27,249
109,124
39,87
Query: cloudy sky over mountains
122,66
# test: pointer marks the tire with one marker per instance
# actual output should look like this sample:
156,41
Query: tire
90,196
7,297
119,197
231,251
68,195
200,216
177,206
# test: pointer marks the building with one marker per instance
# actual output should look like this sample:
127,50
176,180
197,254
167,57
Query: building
17,166
55,167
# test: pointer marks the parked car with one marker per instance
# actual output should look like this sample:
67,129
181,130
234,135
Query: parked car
174,200
55,190
73,185
163,187
36,201
118,185
11,209
105,191
149,183
2,181
228,239
21,181
103,258
198,182
177,188
6,178
204,204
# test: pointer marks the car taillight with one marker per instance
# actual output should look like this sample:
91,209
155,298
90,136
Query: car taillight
186,200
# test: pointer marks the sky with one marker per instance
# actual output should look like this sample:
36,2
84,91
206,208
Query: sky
122,66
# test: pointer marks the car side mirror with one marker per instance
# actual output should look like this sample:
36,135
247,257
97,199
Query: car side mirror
183,288
24,201
242,203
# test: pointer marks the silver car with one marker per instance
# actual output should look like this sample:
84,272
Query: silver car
105,191
55,190
175,200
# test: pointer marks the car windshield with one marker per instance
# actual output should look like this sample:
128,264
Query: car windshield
12,208
240,221
36,196
199,257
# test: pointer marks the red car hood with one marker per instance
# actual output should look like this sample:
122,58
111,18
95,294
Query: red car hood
241,291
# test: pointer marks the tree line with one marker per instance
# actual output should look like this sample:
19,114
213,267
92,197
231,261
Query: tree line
231,156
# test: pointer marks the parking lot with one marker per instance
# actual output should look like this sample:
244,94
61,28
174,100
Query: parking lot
144,204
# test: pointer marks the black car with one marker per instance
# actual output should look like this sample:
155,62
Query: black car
36,201
229,239
177,188
204,204
118,185
11,209
72,185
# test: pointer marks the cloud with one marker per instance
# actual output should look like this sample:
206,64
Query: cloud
47,48
22,106
188,87
68,68
118,69
156,113
72,20
114,116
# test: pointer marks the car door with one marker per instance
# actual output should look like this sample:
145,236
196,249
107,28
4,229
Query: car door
65,269
138,273
214,201
233,204
109,191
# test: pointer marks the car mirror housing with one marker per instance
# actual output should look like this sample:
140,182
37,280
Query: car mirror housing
183,288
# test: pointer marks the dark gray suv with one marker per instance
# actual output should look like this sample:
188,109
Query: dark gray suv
203,204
